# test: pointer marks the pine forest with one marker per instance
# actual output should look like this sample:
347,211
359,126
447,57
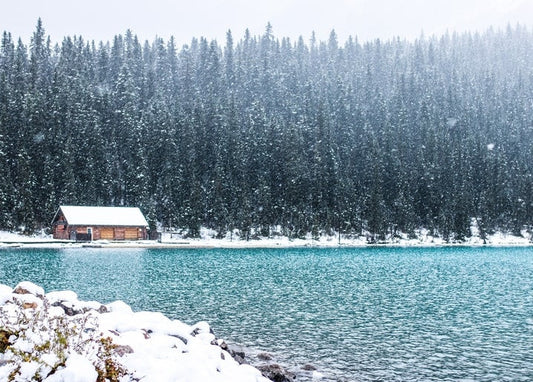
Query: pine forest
262,134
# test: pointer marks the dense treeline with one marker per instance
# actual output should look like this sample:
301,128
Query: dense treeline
380,137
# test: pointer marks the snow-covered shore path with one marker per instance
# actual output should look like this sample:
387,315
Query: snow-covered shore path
207,240
54,337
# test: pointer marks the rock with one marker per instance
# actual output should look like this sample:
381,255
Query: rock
239,359
120,307
26,287
201,327
223,345
61,295
276,373
123,349
4,340
102,309
146,334
29,305
264,357
308,367
27,300
5,294
77,368
71,309
181,338
237,354
108,346
203,331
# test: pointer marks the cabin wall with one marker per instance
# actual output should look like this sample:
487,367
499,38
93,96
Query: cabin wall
61,232
64,232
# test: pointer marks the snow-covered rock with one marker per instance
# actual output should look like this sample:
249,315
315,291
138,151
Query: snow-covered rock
60,296
5,294
77,369
26,287
55,337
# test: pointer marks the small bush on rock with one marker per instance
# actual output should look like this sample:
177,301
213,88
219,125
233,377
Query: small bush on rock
55,337
36,343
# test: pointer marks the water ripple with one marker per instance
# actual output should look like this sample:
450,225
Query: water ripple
356,314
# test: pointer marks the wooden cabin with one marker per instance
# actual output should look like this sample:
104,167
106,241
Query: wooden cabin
99,223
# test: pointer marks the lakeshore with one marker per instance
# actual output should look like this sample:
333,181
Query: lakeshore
54,337
208,239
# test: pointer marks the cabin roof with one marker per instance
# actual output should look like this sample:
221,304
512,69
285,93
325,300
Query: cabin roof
103,216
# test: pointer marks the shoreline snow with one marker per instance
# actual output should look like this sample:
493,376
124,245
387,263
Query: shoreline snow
54,337
208,240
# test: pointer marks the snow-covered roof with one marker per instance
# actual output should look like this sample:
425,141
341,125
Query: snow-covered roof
103,216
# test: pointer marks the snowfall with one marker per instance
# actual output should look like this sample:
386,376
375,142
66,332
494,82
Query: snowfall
54,337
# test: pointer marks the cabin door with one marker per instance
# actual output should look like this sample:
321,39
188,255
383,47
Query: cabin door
107,233
131,234
90,233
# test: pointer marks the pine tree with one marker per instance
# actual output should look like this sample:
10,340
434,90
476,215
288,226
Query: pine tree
380,138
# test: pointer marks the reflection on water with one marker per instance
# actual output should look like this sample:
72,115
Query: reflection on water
356,314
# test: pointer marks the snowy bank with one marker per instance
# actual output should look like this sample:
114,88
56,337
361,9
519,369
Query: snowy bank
54,337
210,239
420,238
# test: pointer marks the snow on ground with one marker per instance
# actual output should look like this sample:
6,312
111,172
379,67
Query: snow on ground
208,239
422,238
6,236
57,338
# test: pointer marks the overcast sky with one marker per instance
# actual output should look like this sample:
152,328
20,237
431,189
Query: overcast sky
100,20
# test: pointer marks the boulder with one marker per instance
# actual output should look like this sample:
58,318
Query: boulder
27,300
123,349
200,328
73,308
4,340
264,357
276,373
29,305
237,354
26,287
239,358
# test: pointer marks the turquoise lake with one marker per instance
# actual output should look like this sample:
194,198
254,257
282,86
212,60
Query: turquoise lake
383,314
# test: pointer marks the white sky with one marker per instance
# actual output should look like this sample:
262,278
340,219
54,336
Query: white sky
101,20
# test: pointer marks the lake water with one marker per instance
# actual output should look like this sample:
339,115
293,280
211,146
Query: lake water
355,314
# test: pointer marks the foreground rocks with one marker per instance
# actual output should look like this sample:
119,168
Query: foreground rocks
55,337
277,373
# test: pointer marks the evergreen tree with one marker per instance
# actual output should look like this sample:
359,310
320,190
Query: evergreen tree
377,138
